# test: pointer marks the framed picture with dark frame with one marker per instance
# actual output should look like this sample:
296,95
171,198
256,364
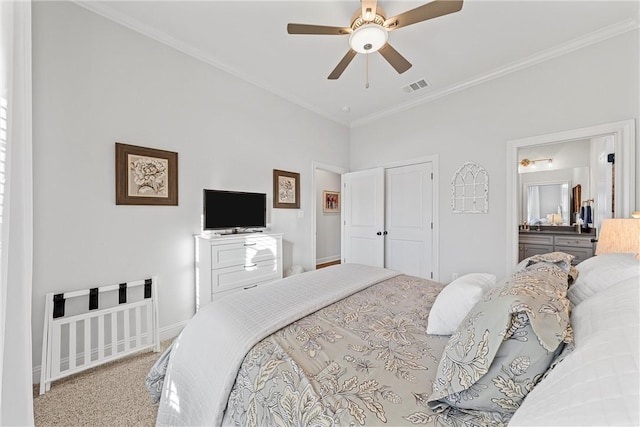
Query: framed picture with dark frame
146,176
286,189
330,201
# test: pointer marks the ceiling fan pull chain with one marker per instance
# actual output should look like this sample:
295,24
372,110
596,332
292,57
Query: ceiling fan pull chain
366,86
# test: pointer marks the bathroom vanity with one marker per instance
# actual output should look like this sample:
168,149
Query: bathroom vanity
544,239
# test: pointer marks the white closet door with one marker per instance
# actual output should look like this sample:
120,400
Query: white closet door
363,210
408,219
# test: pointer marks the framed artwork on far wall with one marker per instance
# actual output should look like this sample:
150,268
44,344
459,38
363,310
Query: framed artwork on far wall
330,201
286,189
146,176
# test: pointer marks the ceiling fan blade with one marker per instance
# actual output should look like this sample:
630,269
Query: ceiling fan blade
422,13
369,9
342,65
317,29
394,58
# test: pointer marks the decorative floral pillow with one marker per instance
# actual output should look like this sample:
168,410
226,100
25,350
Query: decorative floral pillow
507,341
561,259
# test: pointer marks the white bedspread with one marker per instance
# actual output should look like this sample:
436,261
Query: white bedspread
206,357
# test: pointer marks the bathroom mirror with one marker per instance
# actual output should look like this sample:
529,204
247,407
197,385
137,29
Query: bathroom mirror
551,192
547,204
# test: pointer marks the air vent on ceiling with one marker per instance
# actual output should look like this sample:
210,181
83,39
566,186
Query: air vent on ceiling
415,86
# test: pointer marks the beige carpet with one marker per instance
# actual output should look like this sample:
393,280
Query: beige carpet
110,395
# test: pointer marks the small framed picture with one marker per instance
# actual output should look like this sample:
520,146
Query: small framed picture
146,176
286,189
331,201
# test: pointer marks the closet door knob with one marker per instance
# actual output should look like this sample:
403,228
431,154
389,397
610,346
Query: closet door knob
385,233
379,233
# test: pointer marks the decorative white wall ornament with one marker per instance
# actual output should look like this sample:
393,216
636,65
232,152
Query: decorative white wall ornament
470,189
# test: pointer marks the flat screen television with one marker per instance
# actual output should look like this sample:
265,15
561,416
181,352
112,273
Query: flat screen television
233,210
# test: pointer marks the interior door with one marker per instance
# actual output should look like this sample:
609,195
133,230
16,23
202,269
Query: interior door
409,219
363,216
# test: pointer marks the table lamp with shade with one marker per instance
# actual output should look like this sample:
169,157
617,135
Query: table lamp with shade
619,235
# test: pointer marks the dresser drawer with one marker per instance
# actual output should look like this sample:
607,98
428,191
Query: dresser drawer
244,251
582,242
227,264
239,276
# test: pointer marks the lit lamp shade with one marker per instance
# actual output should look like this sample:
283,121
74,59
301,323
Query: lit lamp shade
619,235
554,219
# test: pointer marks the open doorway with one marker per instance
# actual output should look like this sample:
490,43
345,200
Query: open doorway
624,191
327,215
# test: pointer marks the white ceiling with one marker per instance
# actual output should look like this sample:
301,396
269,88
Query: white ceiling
484,40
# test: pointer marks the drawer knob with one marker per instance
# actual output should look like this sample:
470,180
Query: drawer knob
250,244
246,267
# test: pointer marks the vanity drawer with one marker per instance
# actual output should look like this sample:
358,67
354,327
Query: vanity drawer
580,254
580,246
582,242
536,239
531,250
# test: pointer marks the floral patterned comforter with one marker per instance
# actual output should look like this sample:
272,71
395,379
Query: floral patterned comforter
366,359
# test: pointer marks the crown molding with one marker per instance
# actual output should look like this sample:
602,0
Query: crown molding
581,42
595,37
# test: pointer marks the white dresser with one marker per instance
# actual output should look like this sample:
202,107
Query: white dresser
232,263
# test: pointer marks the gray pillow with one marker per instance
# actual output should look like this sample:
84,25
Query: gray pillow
507,341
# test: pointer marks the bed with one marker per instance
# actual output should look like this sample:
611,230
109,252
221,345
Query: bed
359,345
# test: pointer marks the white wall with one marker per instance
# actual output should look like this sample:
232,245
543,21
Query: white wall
594,85
565,155
327,223
95,83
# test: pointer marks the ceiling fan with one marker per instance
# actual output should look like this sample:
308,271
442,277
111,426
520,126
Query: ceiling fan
369,31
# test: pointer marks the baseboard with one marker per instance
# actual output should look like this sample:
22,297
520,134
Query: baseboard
172,331
166,333
327,259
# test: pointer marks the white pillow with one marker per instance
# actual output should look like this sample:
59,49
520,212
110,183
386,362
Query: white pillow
597,273
456,300
598,383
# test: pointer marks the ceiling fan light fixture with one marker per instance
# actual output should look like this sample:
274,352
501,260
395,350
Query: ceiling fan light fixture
368,38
